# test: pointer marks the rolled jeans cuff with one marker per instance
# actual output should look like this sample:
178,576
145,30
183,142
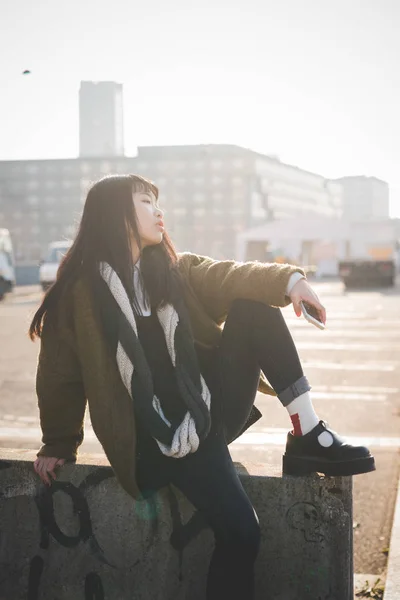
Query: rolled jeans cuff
293,391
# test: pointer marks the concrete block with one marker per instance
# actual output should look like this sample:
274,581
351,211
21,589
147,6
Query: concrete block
85,538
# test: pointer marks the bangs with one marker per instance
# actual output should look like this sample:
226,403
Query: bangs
141,184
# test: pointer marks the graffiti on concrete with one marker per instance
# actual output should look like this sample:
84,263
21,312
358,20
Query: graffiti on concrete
49,527
35,574
306,518
48,524
146,508
93,587
182,534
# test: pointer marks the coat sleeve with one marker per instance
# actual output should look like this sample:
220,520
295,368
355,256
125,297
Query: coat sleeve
61,396
217,283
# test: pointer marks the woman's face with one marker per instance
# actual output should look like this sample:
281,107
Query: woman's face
149,217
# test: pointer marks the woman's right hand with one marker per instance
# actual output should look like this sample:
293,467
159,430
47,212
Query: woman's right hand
45,465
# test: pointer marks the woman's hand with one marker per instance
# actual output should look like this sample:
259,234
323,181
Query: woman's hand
302,290
45,465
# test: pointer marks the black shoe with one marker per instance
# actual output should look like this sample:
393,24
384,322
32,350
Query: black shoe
305,455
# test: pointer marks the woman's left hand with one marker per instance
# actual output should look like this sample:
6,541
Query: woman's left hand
302,290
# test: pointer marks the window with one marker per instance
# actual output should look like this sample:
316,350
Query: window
217,196
199,197
50,185
179,165
237,163
85,168
237,181
33,185
31,169
70,167
199,212
32,200
216,164
216,180
49,200
237,195
198,181
105,167
85,185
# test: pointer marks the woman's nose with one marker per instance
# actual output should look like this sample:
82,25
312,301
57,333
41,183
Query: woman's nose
159,212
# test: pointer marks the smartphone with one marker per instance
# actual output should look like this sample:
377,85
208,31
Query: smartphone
311,314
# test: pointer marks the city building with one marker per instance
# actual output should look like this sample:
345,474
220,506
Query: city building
101,129
41,200
210,194
364,197
213,192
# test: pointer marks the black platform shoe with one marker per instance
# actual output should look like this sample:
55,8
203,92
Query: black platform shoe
305,455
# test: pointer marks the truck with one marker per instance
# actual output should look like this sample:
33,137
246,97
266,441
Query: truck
371,255
7,265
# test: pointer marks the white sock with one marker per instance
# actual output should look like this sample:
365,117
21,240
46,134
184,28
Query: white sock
302,414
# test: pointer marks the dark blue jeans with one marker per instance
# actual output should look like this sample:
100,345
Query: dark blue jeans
255,337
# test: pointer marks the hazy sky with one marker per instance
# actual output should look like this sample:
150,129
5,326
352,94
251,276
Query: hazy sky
315,82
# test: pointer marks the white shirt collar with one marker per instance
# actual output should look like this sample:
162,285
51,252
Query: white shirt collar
140,291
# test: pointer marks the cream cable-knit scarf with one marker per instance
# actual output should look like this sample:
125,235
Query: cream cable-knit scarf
185,439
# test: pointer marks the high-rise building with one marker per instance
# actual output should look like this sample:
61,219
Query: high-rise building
100,119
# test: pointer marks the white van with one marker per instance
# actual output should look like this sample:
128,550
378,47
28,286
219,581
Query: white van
49,267
7,267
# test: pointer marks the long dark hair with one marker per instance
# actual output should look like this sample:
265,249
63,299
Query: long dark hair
107,226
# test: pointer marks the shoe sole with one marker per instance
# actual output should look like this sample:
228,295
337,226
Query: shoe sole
294,465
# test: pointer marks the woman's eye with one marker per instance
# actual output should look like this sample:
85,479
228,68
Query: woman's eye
147,201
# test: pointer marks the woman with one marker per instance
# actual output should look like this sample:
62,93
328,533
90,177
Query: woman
134,329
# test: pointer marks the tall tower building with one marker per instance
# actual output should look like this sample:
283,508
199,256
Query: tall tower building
101,131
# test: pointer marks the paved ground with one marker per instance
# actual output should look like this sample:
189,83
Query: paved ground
353,367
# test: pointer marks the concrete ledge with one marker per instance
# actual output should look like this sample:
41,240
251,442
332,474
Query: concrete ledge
392,587
85,538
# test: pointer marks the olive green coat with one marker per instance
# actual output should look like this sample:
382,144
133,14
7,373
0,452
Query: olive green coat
75,365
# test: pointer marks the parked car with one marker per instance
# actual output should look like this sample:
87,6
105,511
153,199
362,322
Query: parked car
49,267
7,267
